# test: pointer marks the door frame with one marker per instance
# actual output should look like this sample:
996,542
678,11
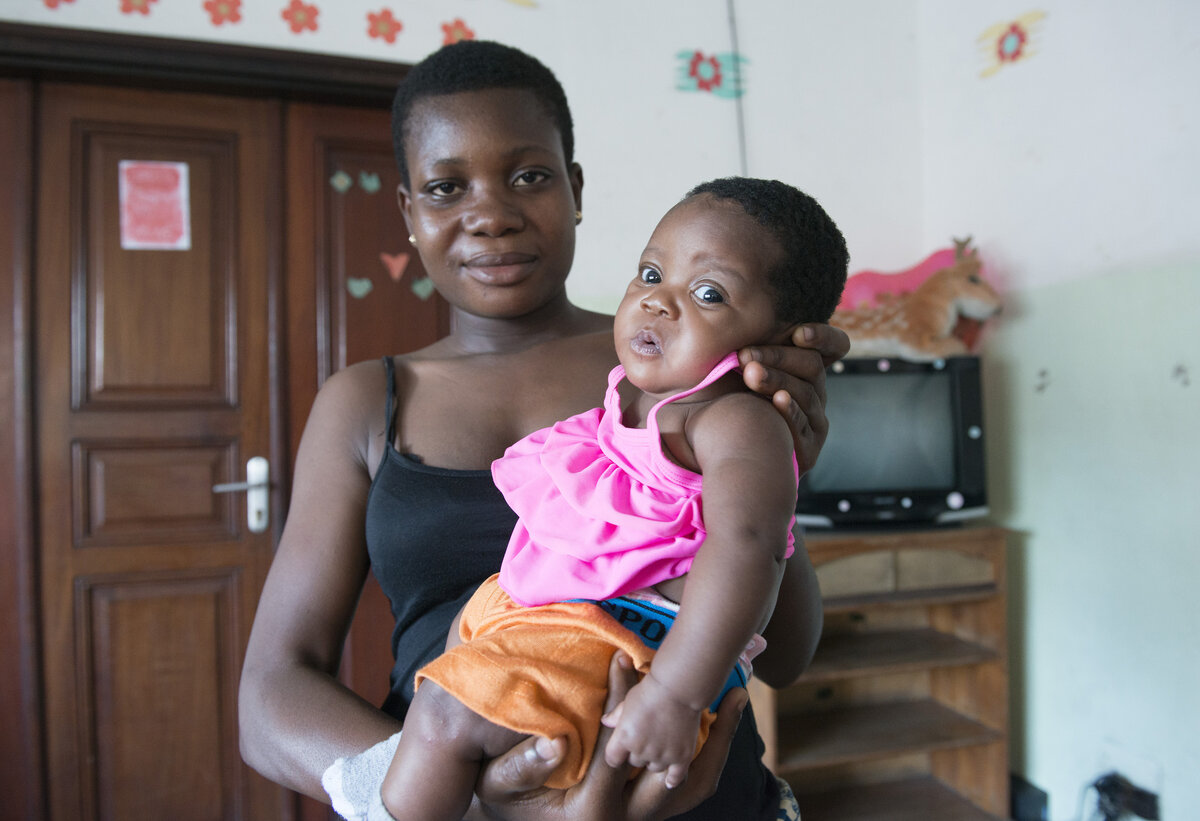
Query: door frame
36,53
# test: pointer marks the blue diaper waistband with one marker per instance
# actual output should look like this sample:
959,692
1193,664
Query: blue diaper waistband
651,622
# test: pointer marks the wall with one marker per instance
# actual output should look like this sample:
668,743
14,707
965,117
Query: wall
1075,170
642,142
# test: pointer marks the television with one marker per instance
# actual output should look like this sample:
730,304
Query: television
905,446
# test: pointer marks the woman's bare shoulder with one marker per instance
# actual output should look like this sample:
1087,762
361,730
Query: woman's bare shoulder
355,384
349,405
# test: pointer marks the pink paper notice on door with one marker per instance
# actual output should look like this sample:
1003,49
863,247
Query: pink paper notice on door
154,205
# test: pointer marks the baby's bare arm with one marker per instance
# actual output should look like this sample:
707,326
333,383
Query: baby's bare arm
744,451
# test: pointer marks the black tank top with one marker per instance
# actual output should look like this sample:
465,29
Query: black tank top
433,534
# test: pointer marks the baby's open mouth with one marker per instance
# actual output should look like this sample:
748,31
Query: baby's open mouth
646,343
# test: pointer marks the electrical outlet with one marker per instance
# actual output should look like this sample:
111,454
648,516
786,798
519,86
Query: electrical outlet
1118,797
1141,770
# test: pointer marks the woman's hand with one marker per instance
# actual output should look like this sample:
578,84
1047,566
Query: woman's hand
511,786
793,376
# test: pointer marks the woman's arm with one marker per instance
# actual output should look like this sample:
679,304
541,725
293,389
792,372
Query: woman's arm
795,627
295,717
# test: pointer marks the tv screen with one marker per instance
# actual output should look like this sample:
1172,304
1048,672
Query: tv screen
905,445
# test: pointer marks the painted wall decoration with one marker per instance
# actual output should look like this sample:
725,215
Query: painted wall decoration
136,6
1009,42
455,31
301,16
224,11
395,264
359,287
381,25
718,74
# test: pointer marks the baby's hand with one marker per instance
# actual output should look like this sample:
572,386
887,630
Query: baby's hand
653,729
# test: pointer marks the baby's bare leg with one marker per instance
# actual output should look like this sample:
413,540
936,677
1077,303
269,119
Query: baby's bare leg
441,752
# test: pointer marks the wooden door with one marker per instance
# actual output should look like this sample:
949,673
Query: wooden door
152,385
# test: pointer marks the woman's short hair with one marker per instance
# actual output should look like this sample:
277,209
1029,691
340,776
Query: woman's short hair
477,65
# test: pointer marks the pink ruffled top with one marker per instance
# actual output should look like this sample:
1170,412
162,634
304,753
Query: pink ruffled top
602,510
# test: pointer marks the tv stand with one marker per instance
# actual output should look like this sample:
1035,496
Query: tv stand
903,714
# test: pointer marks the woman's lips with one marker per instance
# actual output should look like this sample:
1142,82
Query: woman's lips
500,269
646,343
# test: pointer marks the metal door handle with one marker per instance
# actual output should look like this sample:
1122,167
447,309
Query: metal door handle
257,484
235,487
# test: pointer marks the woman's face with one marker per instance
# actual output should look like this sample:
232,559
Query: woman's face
492,200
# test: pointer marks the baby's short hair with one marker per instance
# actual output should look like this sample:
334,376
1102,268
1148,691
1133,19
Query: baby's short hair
477,65
808,281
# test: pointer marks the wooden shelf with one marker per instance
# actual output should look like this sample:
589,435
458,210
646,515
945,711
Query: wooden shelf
903,713
874,731
917,799
845,655
909,598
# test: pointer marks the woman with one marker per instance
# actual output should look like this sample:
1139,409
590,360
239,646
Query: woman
392,472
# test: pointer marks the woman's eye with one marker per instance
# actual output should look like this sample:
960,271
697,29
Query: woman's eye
443,189
649,275
531,177
708,294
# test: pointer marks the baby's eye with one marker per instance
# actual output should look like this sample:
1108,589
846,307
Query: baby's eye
649,275
708,294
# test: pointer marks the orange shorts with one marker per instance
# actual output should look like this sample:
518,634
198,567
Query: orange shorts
539,670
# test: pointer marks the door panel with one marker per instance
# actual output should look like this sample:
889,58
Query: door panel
152,385
21,779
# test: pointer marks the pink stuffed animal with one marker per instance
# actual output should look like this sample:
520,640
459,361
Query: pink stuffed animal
930,311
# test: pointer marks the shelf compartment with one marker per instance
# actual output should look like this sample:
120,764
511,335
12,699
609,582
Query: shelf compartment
874,731
868,653
915,799
910,598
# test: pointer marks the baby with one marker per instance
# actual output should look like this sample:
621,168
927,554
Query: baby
668,509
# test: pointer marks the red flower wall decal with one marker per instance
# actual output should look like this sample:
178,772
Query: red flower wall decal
224,11
383,25
1010,46
706,71
456,31
136,6
53,4
301,16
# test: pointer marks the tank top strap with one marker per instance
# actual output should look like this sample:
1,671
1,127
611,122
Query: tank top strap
720,369
390,367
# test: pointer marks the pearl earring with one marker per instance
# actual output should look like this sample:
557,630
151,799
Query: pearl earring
412,240
578,217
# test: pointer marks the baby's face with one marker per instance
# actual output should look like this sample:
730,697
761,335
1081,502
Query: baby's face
700,292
